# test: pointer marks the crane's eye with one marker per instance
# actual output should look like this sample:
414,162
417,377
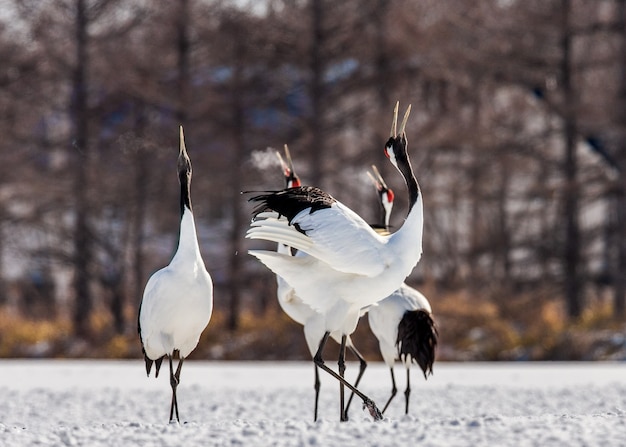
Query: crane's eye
387,151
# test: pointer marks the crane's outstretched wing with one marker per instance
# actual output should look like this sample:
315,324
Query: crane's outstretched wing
312,221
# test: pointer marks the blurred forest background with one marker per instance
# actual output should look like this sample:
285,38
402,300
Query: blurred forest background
517,136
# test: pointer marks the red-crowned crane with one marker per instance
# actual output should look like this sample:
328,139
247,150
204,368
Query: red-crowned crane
178,299
402,322
349,266
299,311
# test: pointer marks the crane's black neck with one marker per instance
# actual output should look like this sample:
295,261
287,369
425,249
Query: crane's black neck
412,185
404,166
184,178
382,212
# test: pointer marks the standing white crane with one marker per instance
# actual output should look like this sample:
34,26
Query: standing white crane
178,299
402,322
299,311
349,266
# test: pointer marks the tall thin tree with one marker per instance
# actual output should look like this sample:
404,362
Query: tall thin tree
620,112
80,136
571,256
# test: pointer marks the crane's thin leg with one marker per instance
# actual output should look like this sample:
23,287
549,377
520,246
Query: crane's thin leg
407,392
174,385
394,390
174,381
342,369
317,391
177,375
362,366
319,361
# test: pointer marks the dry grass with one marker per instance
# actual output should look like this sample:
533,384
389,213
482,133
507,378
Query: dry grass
487,326
25,337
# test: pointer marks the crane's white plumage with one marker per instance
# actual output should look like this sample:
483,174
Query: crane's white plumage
356,265
178,299
295,308
405,330
402,322
385,316
349,265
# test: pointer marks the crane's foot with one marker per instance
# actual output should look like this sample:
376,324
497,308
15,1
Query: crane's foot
373,409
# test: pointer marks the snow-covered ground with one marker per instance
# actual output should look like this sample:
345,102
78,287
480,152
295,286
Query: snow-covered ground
111,403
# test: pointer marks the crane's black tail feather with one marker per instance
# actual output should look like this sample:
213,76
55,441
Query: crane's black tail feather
417,339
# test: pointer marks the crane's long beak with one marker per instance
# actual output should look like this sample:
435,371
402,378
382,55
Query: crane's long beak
281,161
183,149
394,123
286,163
288,157
184,162
405,119
377,178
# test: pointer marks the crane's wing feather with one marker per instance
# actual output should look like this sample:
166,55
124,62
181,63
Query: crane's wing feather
291,269
326,230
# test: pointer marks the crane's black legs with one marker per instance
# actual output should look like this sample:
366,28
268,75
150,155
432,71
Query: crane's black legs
342,369
407,392
319,361
174,385
362,366
317,391
394,390
174,381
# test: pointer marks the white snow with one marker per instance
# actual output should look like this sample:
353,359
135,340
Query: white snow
107,403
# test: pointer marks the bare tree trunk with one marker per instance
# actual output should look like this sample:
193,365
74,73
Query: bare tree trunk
382,75
571,258
141,176
236,177
503,249
82,238
112,279
620,271
474,227
3,296
183,62
316,92
476,200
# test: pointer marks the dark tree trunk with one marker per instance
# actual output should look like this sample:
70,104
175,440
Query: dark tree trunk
82,238
571,259
385,105
236,177
141,176
503,249
183,62
620,271
316,92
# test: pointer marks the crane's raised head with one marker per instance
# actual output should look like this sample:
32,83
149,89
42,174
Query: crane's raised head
384,192
395,148
291,179
184,162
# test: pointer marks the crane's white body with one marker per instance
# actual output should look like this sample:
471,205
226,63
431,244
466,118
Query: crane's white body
385,316
349,266
178,299
302,313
